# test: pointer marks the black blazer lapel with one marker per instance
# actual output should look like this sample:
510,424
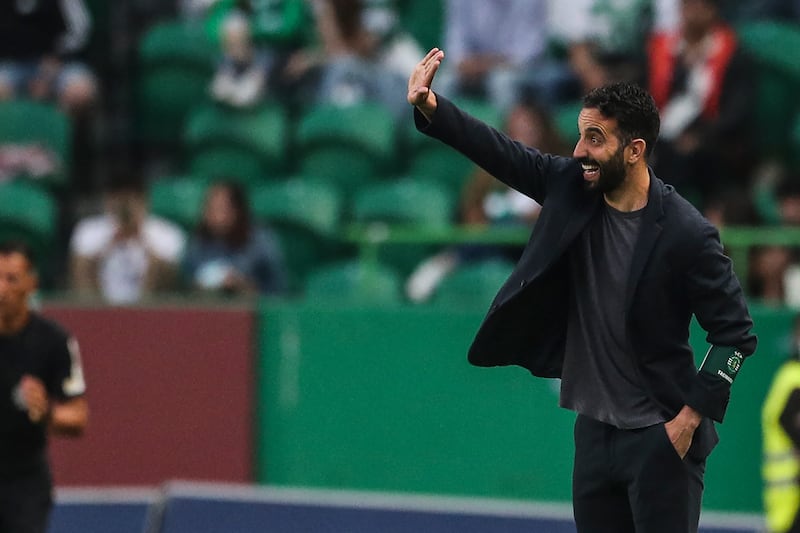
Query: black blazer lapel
580,214
650,232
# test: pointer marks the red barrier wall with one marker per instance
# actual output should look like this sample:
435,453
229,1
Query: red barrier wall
170,393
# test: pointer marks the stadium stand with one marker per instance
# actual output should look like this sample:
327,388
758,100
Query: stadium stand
306,215
29,212
41,136
249,145
350,146
176,62
473,284
355,282
407,201
178,198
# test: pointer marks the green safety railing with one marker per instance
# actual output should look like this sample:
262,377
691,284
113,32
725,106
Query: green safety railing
738,241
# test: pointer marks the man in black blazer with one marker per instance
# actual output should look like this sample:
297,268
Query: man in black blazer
603,297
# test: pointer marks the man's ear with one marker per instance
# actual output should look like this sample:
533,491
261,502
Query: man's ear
636,150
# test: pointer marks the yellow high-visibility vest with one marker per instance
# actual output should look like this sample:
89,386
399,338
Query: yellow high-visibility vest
781,466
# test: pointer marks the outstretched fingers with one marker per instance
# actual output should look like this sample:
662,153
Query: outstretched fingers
420,82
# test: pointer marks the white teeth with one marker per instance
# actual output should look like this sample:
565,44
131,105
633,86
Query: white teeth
589,168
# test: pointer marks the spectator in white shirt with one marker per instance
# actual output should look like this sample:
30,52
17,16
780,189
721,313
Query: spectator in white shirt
125,253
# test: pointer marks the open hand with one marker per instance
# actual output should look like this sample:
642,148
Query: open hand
419,83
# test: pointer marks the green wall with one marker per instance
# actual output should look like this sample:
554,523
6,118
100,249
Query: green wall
382,398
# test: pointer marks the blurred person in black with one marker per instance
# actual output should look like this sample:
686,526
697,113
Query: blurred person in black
703,84
42,390
40,46
603,297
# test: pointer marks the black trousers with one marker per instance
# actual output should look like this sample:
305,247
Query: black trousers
25,503
633,481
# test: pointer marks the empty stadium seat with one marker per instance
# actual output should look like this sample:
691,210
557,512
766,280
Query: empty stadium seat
179,199
411,203
29,213
176,64
473,284
354,281
349,146
248,145
41,126
778,80
406,201
306,217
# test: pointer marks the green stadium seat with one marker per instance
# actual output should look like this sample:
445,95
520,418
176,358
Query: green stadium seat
432,160
772,43
306,217
354,281
248,145
176,65
179,199
25,123
424,19
407,202
29,213
348,146
778,80
473,285
283,24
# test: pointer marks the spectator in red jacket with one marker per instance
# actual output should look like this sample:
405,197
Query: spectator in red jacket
702,85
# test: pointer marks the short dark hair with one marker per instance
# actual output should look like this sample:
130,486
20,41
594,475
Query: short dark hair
16,246
633,108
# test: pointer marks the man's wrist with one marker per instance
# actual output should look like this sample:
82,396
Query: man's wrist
691,417
429,107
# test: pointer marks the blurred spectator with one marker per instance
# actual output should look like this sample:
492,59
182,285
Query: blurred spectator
229,253
603,41
241,78
487,201
498,50
775,270
769,266
194,9
397,49
258,37
40,46
666,15
704,88
362,54
125,253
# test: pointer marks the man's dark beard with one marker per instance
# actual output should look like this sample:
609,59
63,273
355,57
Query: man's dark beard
612,173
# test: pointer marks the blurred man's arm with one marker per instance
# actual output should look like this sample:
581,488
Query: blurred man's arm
69,417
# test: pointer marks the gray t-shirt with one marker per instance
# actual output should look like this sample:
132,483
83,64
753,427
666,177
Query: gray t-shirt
600,378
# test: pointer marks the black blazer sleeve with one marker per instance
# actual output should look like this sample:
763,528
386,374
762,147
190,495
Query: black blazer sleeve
718,303
520,167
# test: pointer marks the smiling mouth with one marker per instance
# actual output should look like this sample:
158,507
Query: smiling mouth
590,172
